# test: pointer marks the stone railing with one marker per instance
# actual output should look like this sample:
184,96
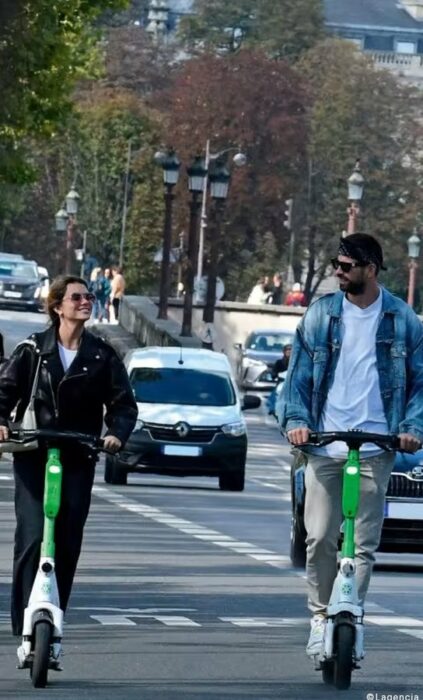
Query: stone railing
410,65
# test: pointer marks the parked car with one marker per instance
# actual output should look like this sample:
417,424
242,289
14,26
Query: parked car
45,282
189,417
403,523
255,360
20,283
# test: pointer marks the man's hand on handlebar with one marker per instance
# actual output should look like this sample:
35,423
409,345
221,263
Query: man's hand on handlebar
298,436
4,433
408,442
112,443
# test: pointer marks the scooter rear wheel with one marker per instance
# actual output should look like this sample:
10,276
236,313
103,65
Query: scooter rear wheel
42,640
343,663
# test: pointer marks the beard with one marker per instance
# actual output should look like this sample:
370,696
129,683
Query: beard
354,288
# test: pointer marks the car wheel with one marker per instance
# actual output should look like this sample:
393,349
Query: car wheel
114,472
232,480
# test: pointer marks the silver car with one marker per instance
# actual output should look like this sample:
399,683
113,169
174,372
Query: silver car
255,359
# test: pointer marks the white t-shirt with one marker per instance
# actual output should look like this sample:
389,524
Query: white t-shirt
67,356
354,400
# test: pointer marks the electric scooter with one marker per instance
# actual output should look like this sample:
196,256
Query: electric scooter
344,633
41,646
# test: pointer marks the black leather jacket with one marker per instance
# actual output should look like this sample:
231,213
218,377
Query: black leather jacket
73,400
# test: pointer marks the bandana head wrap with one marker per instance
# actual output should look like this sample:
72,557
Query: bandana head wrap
363,248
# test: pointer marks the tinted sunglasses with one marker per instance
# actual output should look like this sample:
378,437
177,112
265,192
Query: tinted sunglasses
78,296
346,266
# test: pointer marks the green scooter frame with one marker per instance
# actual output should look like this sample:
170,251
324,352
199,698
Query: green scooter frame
43,618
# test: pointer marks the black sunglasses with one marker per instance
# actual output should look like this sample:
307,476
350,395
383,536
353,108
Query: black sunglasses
346,266
78,296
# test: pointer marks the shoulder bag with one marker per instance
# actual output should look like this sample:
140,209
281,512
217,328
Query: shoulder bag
28,422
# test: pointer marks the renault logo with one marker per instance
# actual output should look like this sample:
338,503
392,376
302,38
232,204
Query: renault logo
182,429
417,472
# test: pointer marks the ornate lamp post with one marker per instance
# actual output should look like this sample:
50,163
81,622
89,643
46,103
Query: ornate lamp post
219,185
196,183
413,254
171,166
66,221
355,193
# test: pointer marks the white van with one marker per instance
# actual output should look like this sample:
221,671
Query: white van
190,418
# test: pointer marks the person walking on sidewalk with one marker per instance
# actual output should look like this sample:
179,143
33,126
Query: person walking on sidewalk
357,363
117,290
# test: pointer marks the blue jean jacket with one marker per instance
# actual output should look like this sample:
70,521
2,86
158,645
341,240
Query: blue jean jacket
315,353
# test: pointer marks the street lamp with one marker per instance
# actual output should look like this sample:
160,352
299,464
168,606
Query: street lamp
219,178
66,221
355,193
239,160
171,166
197,173
413,254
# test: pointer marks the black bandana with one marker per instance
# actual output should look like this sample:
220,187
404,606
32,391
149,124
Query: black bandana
363,248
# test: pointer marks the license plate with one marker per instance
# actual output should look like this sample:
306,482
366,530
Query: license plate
404,511
182,450
13,295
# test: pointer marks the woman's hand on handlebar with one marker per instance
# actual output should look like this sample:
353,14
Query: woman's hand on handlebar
4,433
298,436
112,443
409,443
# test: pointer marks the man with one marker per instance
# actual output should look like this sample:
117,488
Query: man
117,290
281,365
277,290
357,362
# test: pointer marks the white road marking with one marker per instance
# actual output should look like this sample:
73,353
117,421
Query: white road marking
3,477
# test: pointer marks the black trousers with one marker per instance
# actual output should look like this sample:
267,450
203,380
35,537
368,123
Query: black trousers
116,306
78,476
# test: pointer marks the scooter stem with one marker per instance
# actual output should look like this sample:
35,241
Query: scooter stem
52,496
350,500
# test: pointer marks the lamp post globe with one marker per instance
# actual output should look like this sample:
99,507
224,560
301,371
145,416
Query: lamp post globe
197,175
72,198
355,184
413,244
171,166
219,181
61,220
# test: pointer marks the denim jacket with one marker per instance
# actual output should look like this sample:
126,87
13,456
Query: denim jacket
315,353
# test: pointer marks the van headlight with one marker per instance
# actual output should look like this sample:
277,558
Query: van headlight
139,424
234,429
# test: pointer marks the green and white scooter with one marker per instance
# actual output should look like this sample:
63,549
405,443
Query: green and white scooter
344,633
41,645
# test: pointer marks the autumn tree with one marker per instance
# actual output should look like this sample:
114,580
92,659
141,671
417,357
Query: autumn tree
357,111
285,29
248,101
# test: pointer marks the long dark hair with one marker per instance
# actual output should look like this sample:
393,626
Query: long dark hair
56,293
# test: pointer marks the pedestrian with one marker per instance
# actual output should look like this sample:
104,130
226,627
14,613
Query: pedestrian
107,292
79,375
258,294
357,363
117,290
296,296
282,364
101,287
276,293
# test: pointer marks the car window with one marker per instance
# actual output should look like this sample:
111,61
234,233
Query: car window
10,268
182,386
268,342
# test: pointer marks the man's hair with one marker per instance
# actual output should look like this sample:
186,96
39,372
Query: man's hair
363,248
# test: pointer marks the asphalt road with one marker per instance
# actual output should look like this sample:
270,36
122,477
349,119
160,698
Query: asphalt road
186,593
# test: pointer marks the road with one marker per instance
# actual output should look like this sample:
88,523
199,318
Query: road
186,593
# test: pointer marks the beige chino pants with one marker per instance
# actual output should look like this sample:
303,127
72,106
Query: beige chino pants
323,518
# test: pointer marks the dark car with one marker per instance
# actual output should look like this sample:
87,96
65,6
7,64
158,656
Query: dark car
20,283
403,523
255,359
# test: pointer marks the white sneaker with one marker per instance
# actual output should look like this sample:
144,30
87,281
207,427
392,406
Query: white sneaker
23,661
317,635
56,654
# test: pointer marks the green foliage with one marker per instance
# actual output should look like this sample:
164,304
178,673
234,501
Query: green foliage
285,29
46,46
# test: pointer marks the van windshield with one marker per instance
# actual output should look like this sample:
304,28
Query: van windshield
188,387
18,268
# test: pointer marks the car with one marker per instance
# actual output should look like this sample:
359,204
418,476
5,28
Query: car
45,282
402,529
190,418
20,283
255,360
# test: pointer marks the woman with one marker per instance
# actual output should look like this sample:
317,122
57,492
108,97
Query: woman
79,375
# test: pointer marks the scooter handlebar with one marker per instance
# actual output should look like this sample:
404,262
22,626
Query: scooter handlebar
355,438
49,434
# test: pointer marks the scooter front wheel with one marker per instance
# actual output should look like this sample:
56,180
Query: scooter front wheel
343,664
41,653
328,671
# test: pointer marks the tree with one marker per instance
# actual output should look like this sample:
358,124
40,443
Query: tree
285,29
357,111
46,46
228,101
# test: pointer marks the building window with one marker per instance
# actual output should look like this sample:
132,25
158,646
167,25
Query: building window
405,47
378,43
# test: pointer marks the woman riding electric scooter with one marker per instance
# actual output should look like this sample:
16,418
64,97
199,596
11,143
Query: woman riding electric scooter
79,374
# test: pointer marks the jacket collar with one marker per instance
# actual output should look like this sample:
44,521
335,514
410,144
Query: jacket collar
389,303
47,343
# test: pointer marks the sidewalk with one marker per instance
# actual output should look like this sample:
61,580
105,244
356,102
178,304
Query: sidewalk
120,339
